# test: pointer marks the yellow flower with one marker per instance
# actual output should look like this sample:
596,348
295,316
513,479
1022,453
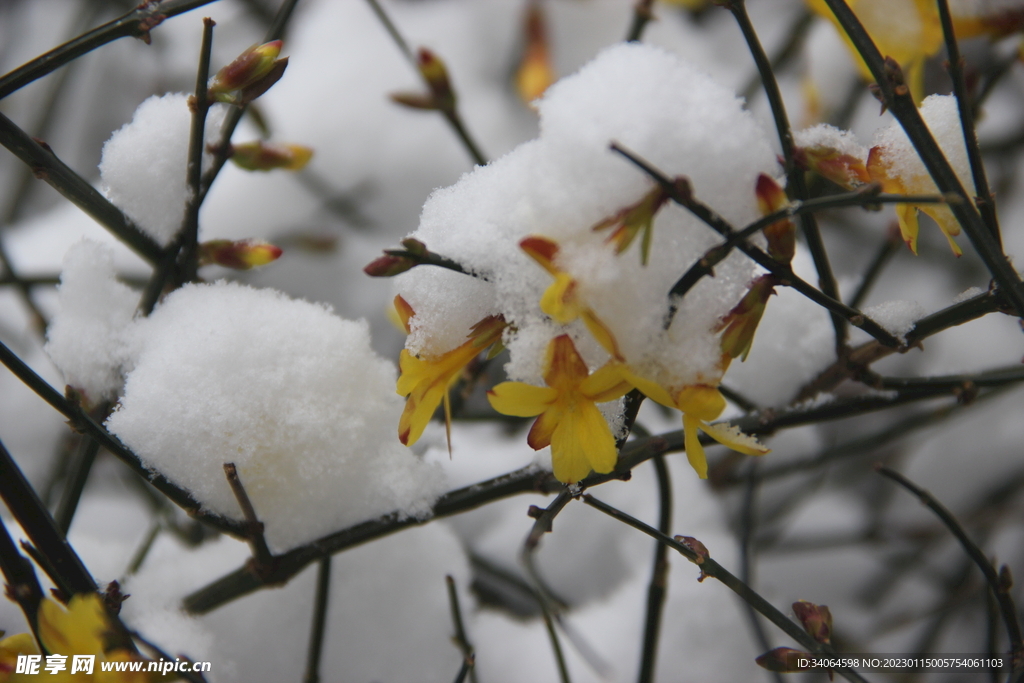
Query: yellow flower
909,31
699,403
426,381
562,300
569,421
83,628
535,73
879,168
633,219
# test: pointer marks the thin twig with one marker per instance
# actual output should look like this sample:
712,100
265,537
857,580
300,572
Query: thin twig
955,65
789,48
1000,588
234,115
22,585
46,166
136,23
253,526
643,14
540,527
74,483
865,196
710,567
659,575
450,112
188,260
747,528
794,175
460,638
66,568
896,95
243,581
782,271
466,668
890,245
321,600
85,424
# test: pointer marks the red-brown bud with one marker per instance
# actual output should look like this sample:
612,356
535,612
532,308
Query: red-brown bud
817,620
247,69
240,255
259,156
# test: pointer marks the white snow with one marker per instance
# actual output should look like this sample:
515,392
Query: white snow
144,163
286,390
85,337
561,184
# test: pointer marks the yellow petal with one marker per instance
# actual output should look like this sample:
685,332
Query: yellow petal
412,371
731,436
694,451
601,333
520,399
605,384
947,222
651,390
78,630
419,408
582,442
560,301
543,429
907,215
542,250
701,401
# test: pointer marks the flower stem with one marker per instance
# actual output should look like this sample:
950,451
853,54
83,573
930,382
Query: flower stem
659,574
316,637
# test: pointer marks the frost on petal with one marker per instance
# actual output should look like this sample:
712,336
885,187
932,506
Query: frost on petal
289,392
85,339
143,164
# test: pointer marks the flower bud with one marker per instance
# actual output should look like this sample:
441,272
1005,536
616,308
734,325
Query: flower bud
240,255
817,620
258,156
781,235
781,659
844,170
535,72
741,322
633,219
435,73
699,549
388,265
248,68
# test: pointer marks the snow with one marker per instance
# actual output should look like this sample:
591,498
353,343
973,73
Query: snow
84,338
825,135
561,184
942,117
144,163
289,392
896,317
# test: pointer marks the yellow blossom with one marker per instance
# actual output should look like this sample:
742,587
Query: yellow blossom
82,628
535,73
426,381
699,403
562,300
634,219
909,31
568,419
881,172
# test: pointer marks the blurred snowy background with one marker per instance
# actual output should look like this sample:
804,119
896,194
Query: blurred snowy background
832,532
